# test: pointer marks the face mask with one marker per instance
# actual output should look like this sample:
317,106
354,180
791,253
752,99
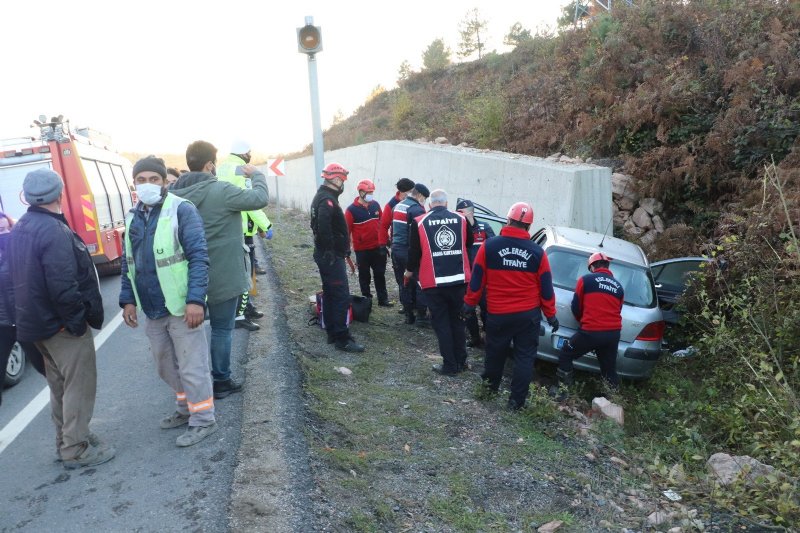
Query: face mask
148,193
340,188
368,198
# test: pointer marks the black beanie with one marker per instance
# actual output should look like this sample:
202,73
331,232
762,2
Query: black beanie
150,163
405,185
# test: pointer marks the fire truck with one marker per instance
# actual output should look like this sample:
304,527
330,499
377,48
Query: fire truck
97,184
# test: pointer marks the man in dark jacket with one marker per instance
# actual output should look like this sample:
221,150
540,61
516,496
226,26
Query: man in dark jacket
331,247
403,217
57,299
220,205
165,274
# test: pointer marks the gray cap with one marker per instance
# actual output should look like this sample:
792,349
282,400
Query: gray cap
42,186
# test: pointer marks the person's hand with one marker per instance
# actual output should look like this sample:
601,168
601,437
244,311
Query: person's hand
350,264
249,169
407,277
553,321
194,315
129,315
268,236
384,251
467,311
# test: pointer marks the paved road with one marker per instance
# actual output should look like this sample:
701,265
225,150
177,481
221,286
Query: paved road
151,485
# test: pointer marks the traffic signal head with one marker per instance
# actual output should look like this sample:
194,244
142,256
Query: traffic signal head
309,39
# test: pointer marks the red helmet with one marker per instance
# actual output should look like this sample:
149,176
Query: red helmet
334,170
366,185
598,256
521,212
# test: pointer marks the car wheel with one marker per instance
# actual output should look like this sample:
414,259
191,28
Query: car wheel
16,365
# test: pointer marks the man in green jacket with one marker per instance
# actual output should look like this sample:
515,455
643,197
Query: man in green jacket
220,205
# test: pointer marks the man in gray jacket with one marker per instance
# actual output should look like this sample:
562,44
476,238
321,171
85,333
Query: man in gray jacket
220,205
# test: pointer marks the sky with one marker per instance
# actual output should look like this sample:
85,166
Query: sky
157,75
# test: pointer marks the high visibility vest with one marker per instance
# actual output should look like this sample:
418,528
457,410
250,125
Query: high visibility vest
443,239
226,171
172,268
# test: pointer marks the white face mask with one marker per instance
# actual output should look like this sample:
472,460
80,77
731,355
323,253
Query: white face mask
148,193
368,198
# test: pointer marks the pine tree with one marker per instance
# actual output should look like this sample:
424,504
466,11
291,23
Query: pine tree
436,56
473,34
517,35
404,71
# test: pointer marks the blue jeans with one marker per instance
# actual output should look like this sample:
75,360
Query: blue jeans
222,316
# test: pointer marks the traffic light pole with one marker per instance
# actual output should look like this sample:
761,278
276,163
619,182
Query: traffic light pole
316,126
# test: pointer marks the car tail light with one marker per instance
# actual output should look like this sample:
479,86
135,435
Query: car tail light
654,331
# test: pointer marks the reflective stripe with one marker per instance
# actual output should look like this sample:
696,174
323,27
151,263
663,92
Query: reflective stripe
448,279
180,396
205,405
167,261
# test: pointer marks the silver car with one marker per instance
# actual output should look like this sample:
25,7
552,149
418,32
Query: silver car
568,250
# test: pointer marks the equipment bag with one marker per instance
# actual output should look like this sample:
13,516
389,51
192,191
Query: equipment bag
360,307
320,316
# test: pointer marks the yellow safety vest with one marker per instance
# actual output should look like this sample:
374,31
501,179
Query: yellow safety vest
172,268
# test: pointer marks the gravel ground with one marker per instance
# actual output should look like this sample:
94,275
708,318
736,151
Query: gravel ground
394,447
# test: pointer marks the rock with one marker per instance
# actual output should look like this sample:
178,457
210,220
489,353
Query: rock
620,218
440,140
554,156
651,205
463,144
589,160
420,140
626,203
609,410
642,219
590,456
676,529
578,160
550,526
658,224
648,238
617,460
621,184
343,370
657,518
605,524
726,469
631,229
677,474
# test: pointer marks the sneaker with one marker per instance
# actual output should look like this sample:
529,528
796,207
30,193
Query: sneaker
385,303
223,389
91,456
93,439
349,345
247,324
439,369
260,271
195,434
174,420
251,313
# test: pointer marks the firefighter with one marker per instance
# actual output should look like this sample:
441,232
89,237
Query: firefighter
597,305
403,186
515,273
254,222
403,215
331,247
165,274
481,231
369,241
438,244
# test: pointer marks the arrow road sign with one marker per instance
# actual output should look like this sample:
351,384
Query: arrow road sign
276,167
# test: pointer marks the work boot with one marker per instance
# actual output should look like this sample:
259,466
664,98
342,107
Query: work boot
260,271
560,392
474,341
423,321
348,344
245,323
91,456
251,313
409,312
439,369
195,434
385,303
514,405
174,420
224,388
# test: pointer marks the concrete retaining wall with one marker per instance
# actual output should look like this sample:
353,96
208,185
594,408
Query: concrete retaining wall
577,195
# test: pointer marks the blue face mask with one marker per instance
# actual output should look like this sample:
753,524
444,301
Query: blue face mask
368,198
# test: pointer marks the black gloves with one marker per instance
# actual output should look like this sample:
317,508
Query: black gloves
466,311
553,321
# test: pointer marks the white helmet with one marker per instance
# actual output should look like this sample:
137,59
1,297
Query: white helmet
240,146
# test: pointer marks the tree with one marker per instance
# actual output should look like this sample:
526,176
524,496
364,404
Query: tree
376,92
473,34
404,72
569,16
517,35
436,56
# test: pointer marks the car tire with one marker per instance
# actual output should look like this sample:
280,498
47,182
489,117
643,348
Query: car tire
111,268
15,368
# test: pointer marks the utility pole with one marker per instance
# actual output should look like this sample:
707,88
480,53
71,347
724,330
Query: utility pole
309,42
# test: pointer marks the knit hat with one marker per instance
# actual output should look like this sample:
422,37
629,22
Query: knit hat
405,185
423,190
42,186
150,163
464,204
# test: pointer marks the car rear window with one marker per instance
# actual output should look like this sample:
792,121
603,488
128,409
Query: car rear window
568,266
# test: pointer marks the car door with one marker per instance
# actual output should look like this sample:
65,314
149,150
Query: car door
495,222
671,278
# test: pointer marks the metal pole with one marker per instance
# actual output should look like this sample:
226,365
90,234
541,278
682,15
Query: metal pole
319,149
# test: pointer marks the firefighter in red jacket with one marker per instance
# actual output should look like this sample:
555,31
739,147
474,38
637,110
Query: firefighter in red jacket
515,273
597,305
363,218
438,244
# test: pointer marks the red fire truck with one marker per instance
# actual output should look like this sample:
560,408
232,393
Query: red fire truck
97,184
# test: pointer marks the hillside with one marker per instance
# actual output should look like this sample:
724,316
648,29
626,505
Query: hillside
691,98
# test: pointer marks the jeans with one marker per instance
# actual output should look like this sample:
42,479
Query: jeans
222,315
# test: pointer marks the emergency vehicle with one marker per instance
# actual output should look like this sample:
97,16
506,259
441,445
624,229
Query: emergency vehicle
97,184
